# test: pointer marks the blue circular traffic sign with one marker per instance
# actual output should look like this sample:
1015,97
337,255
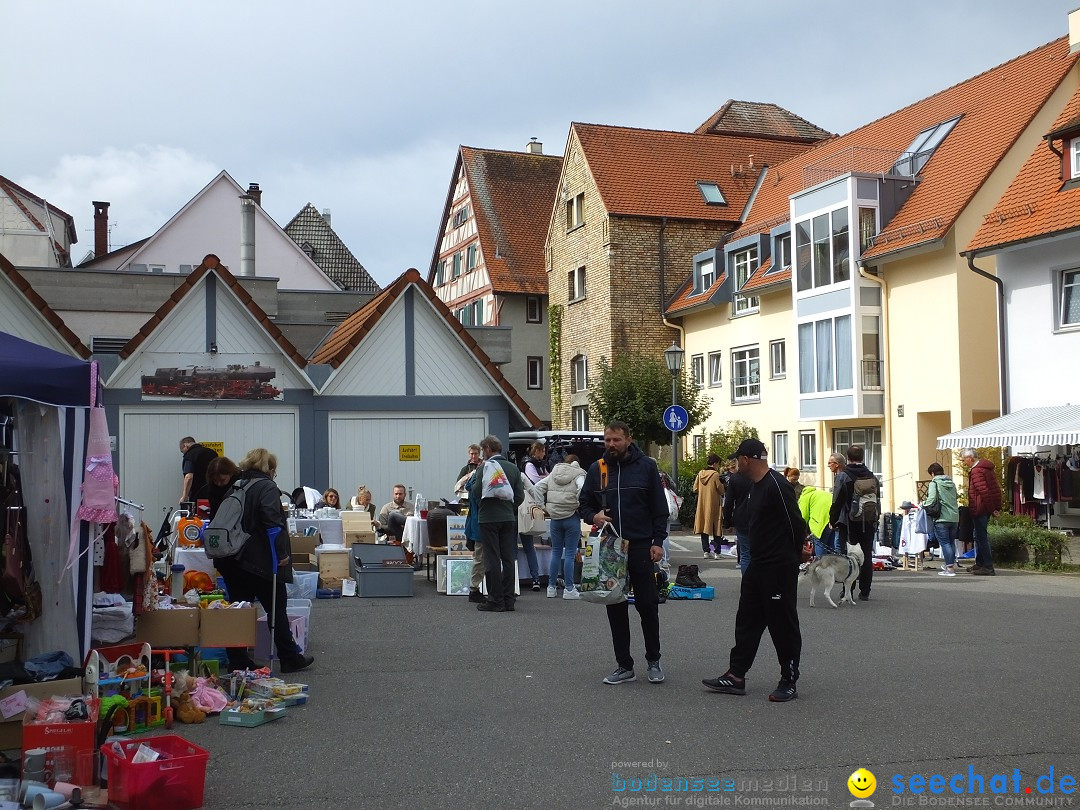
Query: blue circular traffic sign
676,418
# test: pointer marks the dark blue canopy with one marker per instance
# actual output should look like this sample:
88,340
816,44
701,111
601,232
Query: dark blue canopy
30,371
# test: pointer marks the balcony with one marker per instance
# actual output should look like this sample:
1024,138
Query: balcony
854,159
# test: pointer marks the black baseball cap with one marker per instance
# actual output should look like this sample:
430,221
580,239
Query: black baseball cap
750,447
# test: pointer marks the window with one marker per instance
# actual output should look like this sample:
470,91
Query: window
922,148
1076,157
1070,298
535,372
871,353
779,449
868,438
867,228
822,250
440,272
807,450
745,375
777,359
579,374
470,257
716,368
471,314
704,276
457,264
575,284
712,193
783,253
579,418
825,355
745,262
699,444
575,212
461,215
532,309
697,370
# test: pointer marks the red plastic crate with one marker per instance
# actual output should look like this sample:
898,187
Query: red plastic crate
173,783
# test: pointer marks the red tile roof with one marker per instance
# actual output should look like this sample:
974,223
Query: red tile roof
212,264
763,120
340,343
20,282
1036,203
686,299
996,106
760,278
654,173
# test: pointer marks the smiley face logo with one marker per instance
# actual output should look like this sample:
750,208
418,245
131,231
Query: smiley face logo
862,783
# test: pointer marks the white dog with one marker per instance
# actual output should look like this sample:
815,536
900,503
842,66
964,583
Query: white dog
826,571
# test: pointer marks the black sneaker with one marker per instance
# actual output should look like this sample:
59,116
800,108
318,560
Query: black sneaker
726,684
536,585
490,607
476,596
784,691
298,663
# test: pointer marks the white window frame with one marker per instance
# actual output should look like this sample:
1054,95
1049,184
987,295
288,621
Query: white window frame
1075,150
533,311
699,444
579,374
575,284
1068,284
841,377
807,450
697,370
777,359
704,275
579,417
716,369
744,263
575,211
534,373
869,438
780,448
749,391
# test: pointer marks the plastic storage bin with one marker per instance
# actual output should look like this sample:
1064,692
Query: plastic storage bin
303,586
374,578
174,782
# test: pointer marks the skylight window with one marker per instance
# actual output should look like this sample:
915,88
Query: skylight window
712,193
922,148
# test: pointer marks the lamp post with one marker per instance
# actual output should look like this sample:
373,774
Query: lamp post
673,356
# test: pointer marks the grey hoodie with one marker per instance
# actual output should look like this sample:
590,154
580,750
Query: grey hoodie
558,493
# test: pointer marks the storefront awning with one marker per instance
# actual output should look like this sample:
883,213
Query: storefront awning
1030,427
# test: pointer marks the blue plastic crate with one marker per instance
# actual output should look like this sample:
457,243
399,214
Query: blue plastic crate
679,592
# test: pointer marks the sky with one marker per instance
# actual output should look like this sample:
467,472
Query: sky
359,107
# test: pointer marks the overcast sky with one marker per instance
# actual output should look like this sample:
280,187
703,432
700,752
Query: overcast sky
359,107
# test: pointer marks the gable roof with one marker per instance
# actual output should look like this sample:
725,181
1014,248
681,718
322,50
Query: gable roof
686,300
654,173
995,108
754,118
511,192
211,264
340,343
47,312
1038,202
328,251
25,199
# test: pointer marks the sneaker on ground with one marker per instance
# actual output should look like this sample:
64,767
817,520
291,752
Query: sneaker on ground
620,676
571,593
784,691
984,572
730,552
656,675
727,684
705,556
712,555
536,585
945,572
551,592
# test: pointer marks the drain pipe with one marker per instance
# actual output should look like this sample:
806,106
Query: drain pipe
662,259
886,440
1003,358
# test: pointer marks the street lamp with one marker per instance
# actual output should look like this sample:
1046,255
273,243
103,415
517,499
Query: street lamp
673,356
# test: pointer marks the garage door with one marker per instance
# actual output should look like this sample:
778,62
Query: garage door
150,456
364,449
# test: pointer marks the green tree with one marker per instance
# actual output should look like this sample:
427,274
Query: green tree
723,442
636,389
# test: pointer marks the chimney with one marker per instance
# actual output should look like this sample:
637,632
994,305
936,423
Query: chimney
326,215
255,193
534,147
101,228
1074,30
247,234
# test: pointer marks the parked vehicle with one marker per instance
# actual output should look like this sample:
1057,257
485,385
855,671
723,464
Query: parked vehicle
588,446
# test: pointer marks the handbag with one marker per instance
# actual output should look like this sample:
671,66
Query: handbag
933,510
531,519
807,551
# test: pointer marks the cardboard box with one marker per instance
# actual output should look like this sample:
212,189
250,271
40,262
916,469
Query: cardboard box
334,583
356,521
334,563
228,627
304,562
11,728
304,544
169,628
359,537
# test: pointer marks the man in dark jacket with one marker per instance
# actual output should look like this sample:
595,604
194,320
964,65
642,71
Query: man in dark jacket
632,501
735,514
854,530
498,529
768,596
984,499
193,467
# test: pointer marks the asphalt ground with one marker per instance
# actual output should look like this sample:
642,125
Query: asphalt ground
427,703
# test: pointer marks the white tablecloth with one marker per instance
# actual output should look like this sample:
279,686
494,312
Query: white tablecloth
415,536
194,559
329,528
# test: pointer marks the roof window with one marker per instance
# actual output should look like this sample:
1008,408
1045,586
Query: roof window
712,193
922,148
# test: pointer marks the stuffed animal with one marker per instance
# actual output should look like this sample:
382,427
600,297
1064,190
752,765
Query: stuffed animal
183,707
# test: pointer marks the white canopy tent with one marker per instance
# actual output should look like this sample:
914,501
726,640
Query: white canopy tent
1030,427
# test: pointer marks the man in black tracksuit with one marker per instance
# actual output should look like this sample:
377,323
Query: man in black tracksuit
768,597
633,502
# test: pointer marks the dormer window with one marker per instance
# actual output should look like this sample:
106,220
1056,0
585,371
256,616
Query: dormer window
704,275
922,148
711,192
1074,154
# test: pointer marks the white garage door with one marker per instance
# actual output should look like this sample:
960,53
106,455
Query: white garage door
150,457
365,450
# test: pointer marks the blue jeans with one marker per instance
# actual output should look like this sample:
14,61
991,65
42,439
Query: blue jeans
946,534
983,557
565,539
528,542
742,545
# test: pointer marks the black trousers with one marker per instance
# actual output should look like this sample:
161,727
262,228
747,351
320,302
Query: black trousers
862,535
646,600
500,554
768,599
245,586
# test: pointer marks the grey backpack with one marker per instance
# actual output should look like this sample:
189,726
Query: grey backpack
226,534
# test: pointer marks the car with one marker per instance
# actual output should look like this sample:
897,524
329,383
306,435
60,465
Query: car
588,446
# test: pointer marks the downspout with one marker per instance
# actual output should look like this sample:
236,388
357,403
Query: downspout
886,440
663,301
1003,357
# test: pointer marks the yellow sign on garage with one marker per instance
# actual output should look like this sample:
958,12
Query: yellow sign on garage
408,452
217,447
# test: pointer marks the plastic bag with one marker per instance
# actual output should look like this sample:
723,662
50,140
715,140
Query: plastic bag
604,568
531,519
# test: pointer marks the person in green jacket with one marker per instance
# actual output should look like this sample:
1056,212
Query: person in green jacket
497,519
942,491
815,505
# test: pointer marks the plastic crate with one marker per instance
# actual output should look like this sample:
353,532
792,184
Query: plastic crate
174,782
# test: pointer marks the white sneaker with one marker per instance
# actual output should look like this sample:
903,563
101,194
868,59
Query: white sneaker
551,592
712,555
705,556
571,593
945,572
732,551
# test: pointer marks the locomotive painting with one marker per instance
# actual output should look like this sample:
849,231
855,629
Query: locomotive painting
205,382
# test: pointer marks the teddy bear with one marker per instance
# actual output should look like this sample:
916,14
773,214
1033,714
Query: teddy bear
183,707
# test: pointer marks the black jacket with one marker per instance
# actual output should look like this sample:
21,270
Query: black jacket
844,491
635,497
777,529
262,510
735,514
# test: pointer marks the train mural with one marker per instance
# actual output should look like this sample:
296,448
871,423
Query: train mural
205,382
